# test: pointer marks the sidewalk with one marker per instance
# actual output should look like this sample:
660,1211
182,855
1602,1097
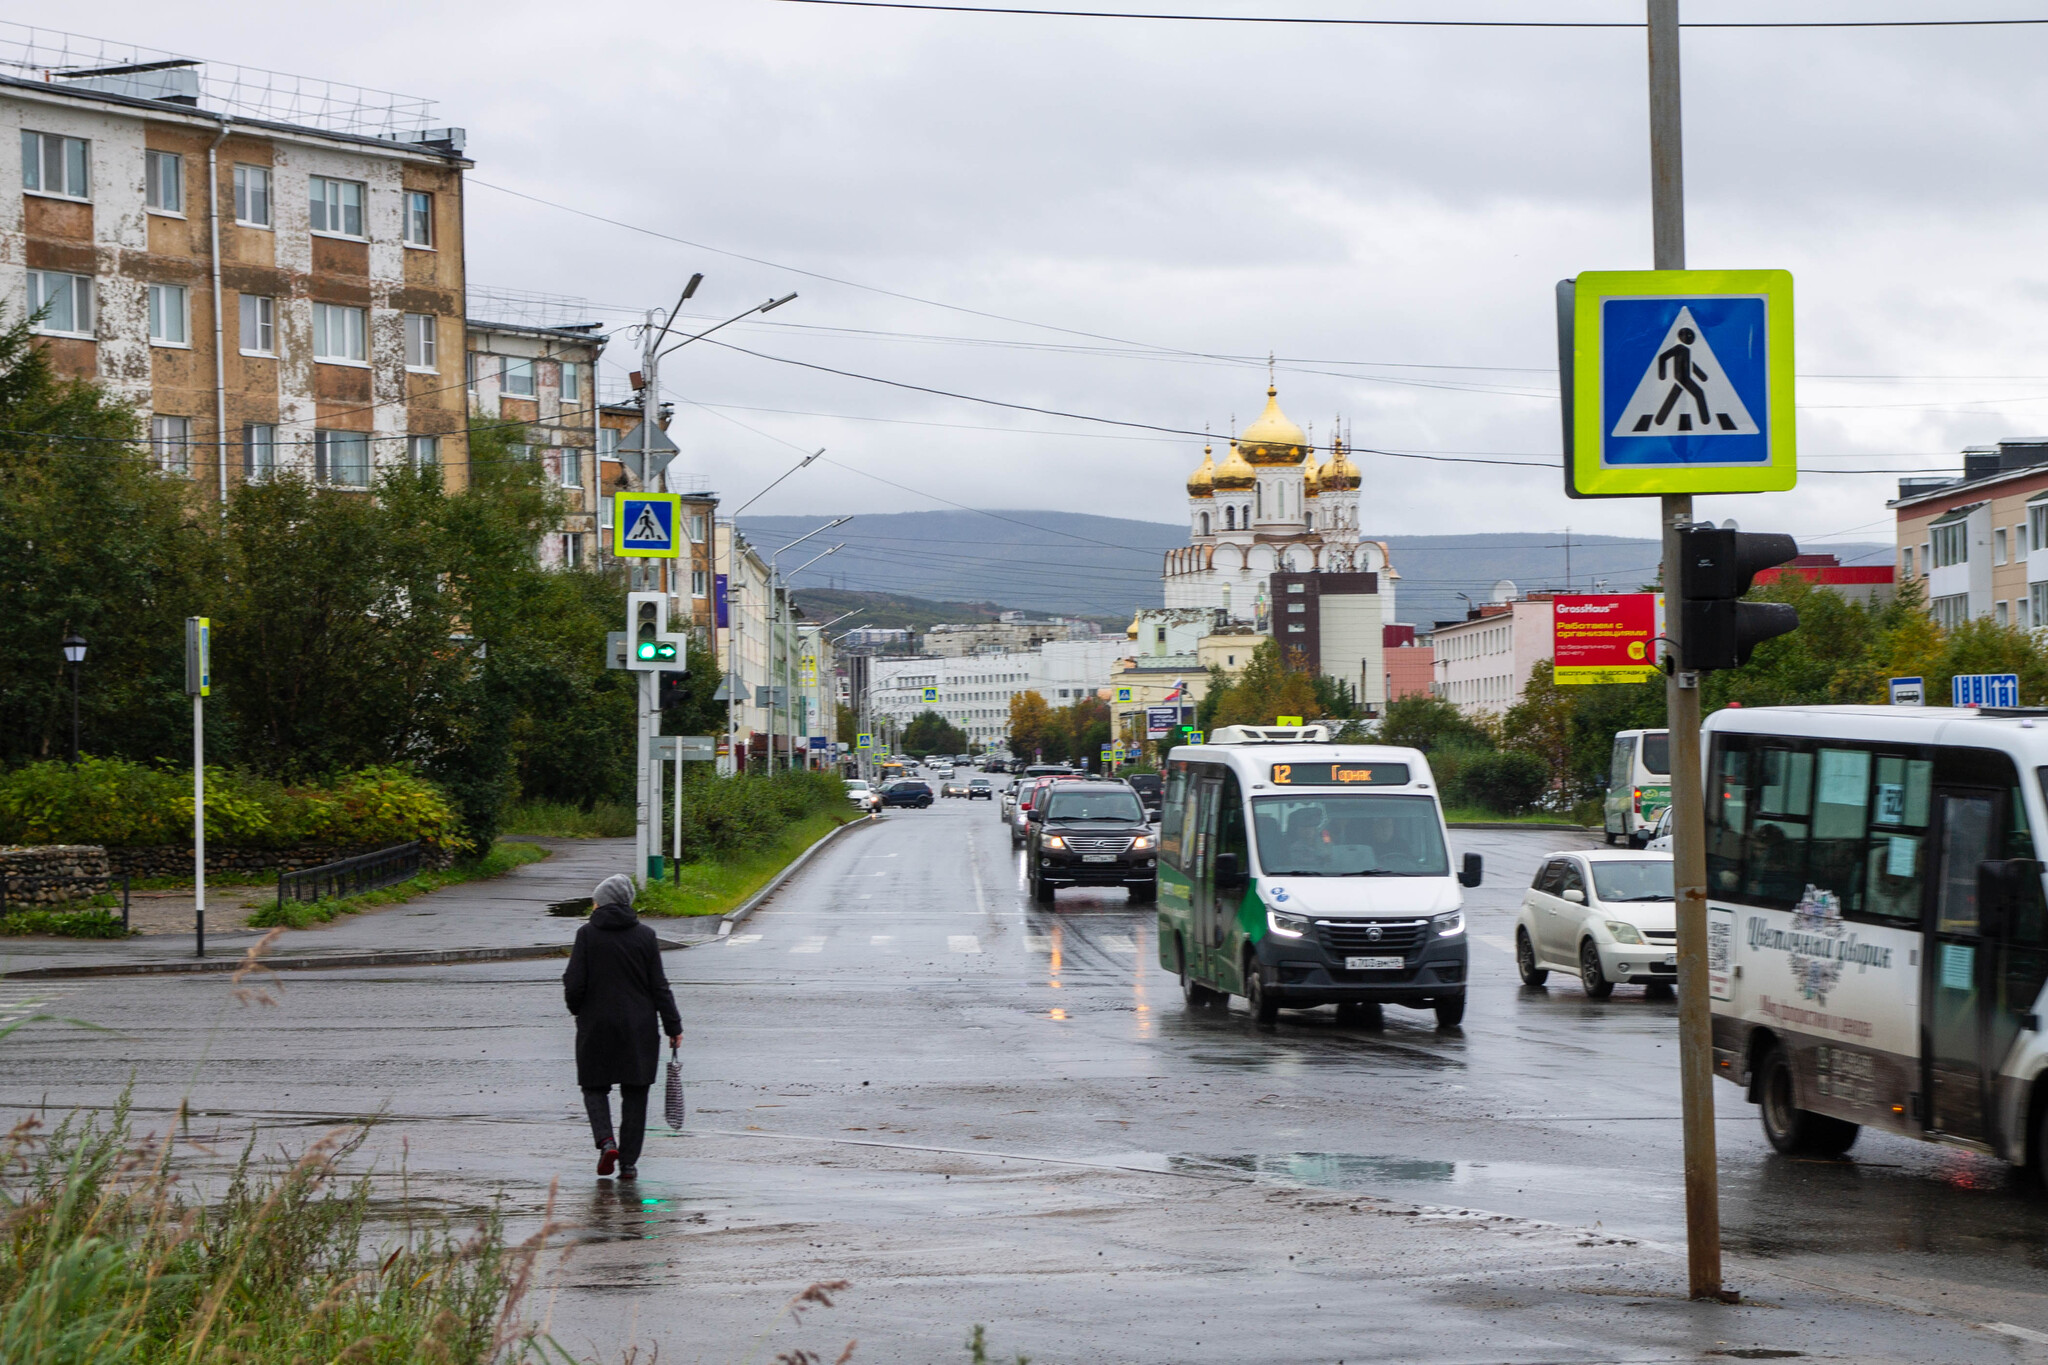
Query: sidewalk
499,919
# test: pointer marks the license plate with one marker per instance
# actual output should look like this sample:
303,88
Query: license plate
1098,857
1373,964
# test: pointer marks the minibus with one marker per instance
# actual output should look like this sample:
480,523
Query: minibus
1295,872
1638,785
1876,926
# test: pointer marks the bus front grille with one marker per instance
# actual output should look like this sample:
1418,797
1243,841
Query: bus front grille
1345,937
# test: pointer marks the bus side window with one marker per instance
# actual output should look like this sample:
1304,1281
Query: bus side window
1896,862
1841,818
1191,850
1172,800
1727,814
1774,854
1230,835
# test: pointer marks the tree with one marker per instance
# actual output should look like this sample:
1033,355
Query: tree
1430,723
932,733
1030,724
1266,690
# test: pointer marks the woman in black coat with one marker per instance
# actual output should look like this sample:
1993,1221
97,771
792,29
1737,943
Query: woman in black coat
615,987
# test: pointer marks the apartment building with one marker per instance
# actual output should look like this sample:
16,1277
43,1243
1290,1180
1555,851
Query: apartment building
1978,545
974,692
273,278
1484,661
544,379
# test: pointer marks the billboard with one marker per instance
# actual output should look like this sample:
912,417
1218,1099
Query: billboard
1608,638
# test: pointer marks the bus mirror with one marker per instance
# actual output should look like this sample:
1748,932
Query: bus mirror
1229,875
1470,873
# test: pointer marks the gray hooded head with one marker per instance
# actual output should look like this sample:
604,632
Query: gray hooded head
614,903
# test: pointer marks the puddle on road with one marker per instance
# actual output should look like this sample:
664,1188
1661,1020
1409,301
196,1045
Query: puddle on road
1330,1170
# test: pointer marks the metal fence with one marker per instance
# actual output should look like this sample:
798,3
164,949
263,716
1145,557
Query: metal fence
351,876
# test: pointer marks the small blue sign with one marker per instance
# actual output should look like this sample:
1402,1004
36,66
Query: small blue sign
1684,382
1985,689
1909,691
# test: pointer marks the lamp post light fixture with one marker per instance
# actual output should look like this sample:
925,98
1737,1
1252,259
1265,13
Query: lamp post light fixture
74,654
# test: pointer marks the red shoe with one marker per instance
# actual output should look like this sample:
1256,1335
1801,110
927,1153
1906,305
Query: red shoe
608,1158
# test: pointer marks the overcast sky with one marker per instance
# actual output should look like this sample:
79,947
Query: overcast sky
1386,209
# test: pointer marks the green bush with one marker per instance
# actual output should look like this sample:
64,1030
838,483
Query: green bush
1510,782
125,805
726,815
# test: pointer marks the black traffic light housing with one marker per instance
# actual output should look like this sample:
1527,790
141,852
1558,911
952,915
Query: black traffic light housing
1715,568
671,689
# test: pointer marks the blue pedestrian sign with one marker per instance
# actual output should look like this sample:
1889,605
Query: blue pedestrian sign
931,694
1985,689
1677,381
644,525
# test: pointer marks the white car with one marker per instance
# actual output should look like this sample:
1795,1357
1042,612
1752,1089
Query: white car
1660,837
862,795
1605,915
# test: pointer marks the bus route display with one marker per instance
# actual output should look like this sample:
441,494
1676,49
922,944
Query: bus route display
1340,774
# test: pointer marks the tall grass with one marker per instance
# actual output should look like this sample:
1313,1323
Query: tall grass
107,1257
564,820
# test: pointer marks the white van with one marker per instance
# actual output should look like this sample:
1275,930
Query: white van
1296,872
1638,785
1877,925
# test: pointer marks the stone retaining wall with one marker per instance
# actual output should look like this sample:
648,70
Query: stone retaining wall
175,860
52,874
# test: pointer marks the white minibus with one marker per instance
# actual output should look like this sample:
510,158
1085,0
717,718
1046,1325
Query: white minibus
1638,785
1877,941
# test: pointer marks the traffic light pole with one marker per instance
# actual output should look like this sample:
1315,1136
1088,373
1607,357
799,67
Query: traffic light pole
1682,709
644,841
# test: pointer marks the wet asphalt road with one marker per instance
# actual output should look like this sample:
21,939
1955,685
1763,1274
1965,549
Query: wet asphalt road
906,1074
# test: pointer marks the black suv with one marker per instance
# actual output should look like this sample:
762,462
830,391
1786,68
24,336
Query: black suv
907,792
1149,790
1091,834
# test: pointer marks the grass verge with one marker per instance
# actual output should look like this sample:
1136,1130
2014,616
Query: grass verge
716,885
503,857
1475,815
92,922
561,820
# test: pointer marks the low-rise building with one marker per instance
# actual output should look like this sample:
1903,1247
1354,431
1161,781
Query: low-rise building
1978,545
974,692
1484,661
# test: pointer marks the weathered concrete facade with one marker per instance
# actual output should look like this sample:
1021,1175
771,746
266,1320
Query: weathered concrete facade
545,378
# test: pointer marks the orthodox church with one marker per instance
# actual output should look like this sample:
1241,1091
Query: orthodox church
1270,508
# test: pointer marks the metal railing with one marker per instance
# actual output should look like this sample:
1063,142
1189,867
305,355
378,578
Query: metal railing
350,876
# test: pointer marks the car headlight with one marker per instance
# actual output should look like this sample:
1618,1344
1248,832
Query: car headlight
1447,925
1286,925
1055,841
1143,841
1624,932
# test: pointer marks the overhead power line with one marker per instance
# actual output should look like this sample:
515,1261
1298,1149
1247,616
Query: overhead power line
1321,21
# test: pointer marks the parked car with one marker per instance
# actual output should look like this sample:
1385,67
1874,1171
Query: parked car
1020,810
958,789
1606,916
1149,789
1660,837
908,792
1091,834
979,790
862,795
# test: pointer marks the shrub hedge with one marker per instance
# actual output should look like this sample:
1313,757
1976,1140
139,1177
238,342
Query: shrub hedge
129,805
726,815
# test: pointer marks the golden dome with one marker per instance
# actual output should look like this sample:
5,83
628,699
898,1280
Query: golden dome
1131,633
1202,483
1311,483
1235,474
1339,472
1273,440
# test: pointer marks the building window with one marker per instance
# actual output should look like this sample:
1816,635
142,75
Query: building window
572,382
516,378
697,527
342,458
604,514
338,332
2037,525
1906,562
337,206
2002,613
698,583
2019,541
64,301
470,370
168,323
1951,611
423,451
170,444
571,464
419,218
51,164
163,175
1998,545
252,196
259,325
259,451
2037,595
1951,544
419,342
607,443
572,550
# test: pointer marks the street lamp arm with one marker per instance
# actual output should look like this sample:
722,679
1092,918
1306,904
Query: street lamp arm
804,537
800,464
757,308
814,559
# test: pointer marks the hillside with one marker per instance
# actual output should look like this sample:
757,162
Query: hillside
893,610
1070,563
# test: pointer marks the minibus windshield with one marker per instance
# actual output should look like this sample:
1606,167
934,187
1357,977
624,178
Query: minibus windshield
1632,880
1347,834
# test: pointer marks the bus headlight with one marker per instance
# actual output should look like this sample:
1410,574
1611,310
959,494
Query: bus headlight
1286,925
1624,932
1447,925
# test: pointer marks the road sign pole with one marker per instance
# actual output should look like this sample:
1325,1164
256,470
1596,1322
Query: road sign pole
1682,706
198,683
642,844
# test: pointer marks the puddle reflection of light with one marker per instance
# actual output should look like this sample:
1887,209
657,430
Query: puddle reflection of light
1056,1014
1058,931
1143,1010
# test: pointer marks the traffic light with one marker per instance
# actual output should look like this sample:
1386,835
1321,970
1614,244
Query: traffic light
1715,569
652,647
670,689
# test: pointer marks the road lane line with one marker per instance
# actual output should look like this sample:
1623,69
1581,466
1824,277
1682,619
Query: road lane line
877,940
1118,943
815,944
1495,941
963,943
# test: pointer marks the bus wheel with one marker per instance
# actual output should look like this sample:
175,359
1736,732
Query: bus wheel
1598,987
1610,837
1362,1014
1450,1010
1265,1008
1525,960
1792,1130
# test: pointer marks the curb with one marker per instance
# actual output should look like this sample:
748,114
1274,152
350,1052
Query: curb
426,957
752,903
1523,824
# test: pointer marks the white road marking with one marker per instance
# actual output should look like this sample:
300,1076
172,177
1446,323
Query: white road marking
1118,943
877,940
737,939
1496,941
963,943
29,999
815,944
2023,1333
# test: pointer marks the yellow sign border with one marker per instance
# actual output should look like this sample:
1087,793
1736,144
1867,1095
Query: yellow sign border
675,510
1586,477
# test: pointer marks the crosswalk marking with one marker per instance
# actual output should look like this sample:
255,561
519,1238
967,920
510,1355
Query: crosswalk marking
737,939
814,944
20,1000
1038,943
1118,943
877,940
963,943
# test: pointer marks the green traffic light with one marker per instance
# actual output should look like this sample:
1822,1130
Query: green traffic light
647,649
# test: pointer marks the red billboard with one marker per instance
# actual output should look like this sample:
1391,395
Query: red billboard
1608,638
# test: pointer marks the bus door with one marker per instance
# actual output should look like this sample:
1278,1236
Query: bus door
1987,961
1219,829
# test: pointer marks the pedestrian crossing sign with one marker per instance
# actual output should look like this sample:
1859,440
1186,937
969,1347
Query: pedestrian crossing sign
931,694
863,741
1677,381
644,525
1123,694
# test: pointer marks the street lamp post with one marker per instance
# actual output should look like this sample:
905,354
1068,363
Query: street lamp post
74,654
780,606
